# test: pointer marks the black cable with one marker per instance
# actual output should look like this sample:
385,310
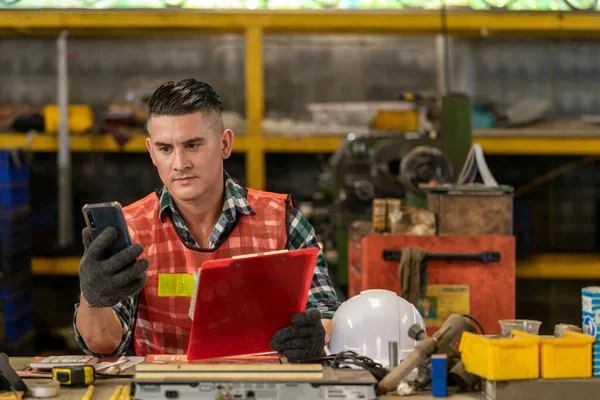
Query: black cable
472,318
100,375
350,357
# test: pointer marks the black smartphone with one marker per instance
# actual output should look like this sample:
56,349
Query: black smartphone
99,216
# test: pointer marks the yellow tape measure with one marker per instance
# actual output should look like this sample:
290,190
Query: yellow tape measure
74,376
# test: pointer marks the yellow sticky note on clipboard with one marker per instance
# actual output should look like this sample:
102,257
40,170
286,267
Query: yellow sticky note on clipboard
171,285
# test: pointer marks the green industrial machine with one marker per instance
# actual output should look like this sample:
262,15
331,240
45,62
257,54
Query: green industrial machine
392,165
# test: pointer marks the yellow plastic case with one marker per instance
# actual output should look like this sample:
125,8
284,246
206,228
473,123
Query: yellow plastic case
80,117
569,356
498,359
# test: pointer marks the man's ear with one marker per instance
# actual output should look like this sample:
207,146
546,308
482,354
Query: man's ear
150,150
226,143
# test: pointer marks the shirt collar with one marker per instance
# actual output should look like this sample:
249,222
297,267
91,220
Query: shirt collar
234,201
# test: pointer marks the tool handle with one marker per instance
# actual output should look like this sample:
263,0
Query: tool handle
483,257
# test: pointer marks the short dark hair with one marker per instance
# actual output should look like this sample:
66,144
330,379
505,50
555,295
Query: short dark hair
185,96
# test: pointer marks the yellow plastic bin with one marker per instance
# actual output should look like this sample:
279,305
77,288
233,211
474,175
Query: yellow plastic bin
80,117
569,356
499,359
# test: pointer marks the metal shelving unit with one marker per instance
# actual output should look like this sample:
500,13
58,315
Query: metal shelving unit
255,24
152,22
541,266
493,145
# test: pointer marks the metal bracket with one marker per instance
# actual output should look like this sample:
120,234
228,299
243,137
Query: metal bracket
484,257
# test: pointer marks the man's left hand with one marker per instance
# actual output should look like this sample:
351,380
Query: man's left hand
303,340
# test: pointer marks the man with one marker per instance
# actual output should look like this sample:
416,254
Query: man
199,214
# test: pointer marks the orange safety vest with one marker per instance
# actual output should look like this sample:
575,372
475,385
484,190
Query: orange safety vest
162,324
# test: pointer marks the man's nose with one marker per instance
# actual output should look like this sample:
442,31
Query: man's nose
180,161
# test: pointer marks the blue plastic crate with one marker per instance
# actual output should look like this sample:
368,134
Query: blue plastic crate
16,306
16,328
14,196
15,231
13,171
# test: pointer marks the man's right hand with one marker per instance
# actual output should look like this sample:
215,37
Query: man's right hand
105,281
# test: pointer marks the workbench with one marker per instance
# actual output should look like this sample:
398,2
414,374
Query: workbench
105,387
559,389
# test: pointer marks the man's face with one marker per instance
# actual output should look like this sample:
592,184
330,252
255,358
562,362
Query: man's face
188,151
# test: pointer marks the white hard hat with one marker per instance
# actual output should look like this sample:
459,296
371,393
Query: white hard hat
367,322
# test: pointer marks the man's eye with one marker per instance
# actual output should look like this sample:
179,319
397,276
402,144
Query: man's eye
192,145
163,149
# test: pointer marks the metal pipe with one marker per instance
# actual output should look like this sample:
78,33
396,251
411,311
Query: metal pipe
65,219
442,45
422,351
393,353
440,68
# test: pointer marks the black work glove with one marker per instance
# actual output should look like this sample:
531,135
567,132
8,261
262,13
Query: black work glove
303,340
104,281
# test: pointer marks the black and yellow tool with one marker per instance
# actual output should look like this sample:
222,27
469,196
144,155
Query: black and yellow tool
74,376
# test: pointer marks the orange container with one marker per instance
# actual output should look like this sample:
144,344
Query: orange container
486,291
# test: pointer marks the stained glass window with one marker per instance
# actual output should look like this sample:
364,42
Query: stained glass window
541,5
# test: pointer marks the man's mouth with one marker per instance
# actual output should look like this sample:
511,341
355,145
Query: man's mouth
184,179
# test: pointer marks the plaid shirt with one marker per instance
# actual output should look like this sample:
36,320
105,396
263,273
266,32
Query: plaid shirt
322,295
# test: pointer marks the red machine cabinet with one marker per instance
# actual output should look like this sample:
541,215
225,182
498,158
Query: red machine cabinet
491,286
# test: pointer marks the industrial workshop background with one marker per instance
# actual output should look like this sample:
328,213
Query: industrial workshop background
274,64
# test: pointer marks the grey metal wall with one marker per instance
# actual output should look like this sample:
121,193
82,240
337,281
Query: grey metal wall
302,69
565,71
298,69
99,67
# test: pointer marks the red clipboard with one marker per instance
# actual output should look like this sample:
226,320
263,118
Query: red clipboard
242,301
